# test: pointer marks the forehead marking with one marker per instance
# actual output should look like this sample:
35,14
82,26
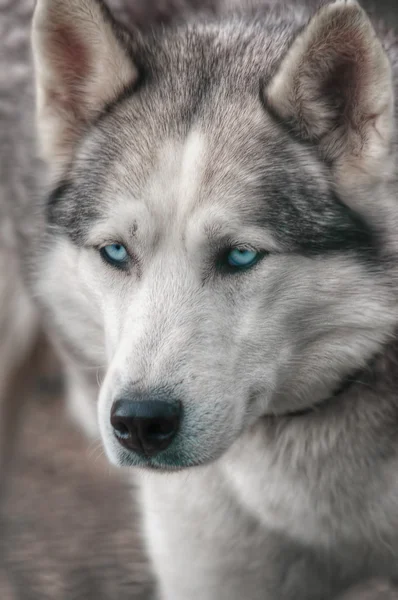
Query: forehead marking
192,157
173,189
191,169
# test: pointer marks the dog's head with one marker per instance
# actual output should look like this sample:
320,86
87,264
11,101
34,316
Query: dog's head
220,223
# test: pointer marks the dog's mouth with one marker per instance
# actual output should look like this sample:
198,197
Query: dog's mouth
172,462
163,464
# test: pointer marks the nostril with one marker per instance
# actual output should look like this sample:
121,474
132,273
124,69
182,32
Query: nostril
121,430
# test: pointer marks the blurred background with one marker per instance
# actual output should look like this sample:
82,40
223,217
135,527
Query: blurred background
68,527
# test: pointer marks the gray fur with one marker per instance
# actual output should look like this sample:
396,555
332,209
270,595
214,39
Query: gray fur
248,126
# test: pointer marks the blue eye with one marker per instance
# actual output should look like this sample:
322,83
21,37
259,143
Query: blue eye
115,254
243,259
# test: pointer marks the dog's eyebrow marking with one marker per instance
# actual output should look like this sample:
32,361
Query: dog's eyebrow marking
192,160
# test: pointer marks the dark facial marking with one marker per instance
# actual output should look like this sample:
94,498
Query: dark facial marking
72,209
301,223
303,212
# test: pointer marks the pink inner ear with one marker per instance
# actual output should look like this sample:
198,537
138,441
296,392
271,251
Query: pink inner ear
71,57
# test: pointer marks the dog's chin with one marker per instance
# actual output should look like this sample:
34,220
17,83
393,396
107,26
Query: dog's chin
159,463
174,459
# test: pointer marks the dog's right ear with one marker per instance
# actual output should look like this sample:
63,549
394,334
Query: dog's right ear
82,63
334,88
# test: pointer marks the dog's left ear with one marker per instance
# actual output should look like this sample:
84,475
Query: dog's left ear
82,63
334,88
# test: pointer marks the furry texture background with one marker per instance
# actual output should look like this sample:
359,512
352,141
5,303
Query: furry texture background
68,529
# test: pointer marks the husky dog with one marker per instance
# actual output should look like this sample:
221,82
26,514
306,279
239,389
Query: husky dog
221,242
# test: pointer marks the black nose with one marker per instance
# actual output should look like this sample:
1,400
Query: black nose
145,426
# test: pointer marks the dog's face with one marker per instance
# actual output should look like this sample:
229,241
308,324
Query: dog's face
208,249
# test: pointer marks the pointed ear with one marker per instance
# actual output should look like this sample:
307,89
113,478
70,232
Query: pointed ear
334,87
81,64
